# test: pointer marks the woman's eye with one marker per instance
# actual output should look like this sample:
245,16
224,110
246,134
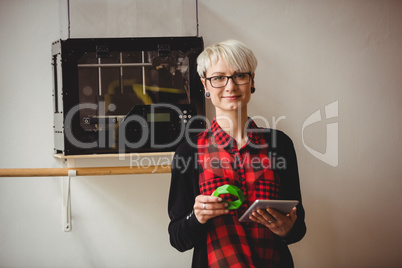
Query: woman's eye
239,75
217,78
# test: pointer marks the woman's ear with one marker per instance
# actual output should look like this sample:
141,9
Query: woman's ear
252,83
203,83
206,93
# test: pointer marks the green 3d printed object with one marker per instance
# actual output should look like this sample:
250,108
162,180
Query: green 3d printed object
230,189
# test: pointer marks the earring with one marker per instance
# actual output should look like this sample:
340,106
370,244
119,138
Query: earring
252,90
207,94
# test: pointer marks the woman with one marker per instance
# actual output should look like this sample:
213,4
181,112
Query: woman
233,150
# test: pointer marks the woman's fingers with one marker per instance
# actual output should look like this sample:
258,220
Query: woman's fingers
262,217
207,207
277,222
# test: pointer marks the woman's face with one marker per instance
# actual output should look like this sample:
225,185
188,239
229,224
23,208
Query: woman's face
231,97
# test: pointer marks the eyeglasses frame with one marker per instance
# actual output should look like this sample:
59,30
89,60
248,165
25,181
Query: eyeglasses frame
229,77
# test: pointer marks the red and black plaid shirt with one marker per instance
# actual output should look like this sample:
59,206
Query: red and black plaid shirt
229,242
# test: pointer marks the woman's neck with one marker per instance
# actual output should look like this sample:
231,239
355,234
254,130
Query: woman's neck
234,123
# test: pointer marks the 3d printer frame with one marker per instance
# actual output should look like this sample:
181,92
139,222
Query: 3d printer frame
124,95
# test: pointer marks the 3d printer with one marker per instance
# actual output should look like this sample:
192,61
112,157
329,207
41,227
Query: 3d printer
119,95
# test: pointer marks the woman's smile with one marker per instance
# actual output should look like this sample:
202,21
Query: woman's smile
235,97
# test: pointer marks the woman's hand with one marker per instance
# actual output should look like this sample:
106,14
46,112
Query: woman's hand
207,207
278,223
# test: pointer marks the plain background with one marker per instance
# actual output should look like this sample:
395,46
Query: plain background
311,54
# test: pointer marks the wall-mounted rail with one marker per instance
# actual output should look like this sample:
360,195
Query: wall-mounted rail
67,173
84,171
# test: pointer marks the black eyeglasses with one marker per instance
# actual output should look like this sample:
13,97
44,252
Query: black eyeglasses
222,81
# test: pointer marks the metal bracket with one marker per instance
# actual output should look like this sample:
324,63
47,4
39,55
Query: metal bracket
67,201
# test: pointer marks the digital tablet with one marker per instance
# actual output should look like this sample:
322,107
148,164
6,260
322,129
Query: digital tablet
283,206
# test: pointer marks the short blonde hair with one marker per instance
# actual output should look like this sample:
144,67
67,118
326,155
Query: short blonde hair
235,53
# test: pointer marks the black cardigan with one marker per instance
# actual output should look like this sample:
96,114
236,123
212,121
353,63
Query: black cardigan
184,229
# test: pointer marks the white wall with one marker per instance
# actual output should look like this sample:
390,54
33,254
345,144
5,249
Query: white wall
311,53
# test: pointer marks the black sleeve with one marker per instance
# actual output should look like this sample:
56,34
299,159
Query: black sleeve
290,184
184,229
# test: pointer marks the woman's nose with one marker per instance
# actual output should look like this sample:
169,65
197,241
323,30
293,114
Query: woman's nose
231,85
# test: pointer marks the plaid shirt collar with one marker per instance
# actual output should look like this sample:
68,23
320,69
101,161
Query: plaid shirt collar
226,141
